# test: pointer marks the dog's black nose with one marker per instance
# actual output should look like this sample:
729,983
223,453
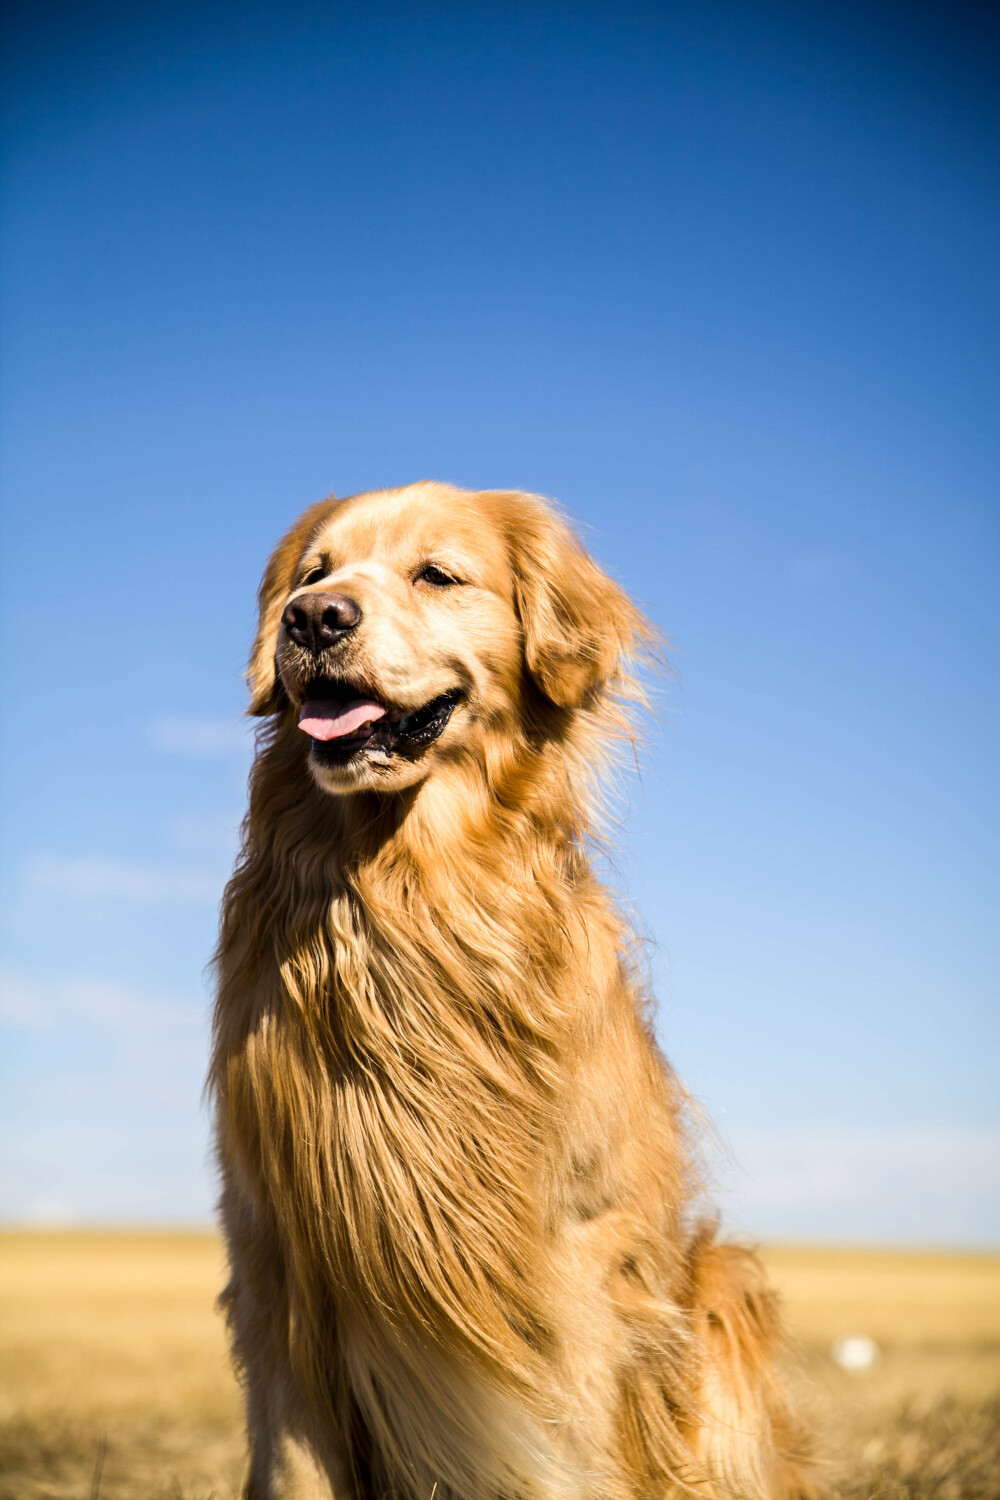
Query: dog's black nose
316,621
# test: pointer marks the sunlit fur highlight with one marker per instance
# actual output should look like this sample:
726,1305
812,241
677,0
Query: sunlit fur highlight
457,1190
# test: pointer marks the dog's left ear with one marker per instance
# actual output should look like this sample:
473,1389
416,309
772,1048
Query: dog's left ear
267,695
579,626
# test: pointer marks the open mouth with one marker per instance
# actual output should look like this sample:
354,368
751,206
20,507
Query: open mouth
341,723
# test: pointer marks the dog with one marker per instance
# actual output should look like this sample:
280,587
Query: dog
457,1190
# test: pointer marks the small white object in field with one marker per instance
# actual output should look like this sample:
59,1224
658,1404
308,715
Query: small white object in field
855,1352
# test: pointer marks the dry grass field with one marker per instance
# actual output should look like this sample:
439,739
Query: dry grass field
114,1381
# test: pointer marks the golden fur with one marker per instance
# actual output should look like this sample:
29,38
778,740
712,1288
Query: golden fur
457,1193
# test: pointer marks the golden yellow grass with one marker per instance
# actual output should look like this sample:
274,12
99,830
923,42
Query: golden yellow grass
115,1382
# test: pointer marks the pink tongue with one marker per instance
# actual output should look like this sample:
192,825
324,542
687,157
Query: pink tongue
330,721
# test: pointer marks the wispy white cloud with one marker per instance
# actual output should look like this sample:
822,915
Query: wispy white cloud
216,838
105,1117
99,876
187,736
936,1183
47,1213
28,1004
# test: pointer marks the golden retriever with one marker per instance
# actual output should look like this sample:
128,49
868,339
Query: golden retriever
457,1195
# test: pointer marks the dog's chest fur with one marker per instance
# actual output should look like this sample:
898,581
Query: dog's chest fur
402,1077
397,1083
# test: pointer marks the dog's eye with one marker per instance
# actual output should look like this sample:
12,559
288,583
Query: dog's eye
435,575
313,577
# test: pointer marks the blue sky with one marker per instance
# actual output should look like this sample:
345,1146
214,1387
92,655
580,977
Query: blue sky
721,278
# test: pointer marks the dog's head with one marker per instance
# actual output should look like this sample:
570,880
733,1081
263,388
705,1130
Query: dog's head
403,624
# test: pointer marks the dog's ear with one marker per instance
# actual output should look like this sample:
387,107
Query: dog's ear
579,626
267,695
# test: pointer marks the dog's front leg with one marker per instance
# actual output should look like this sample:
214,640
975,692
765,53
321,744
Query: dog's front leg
295,1454
289,1459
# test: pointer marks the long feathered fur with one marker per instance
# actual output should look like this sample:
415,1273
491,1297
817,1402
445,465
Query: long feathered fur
457,1189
